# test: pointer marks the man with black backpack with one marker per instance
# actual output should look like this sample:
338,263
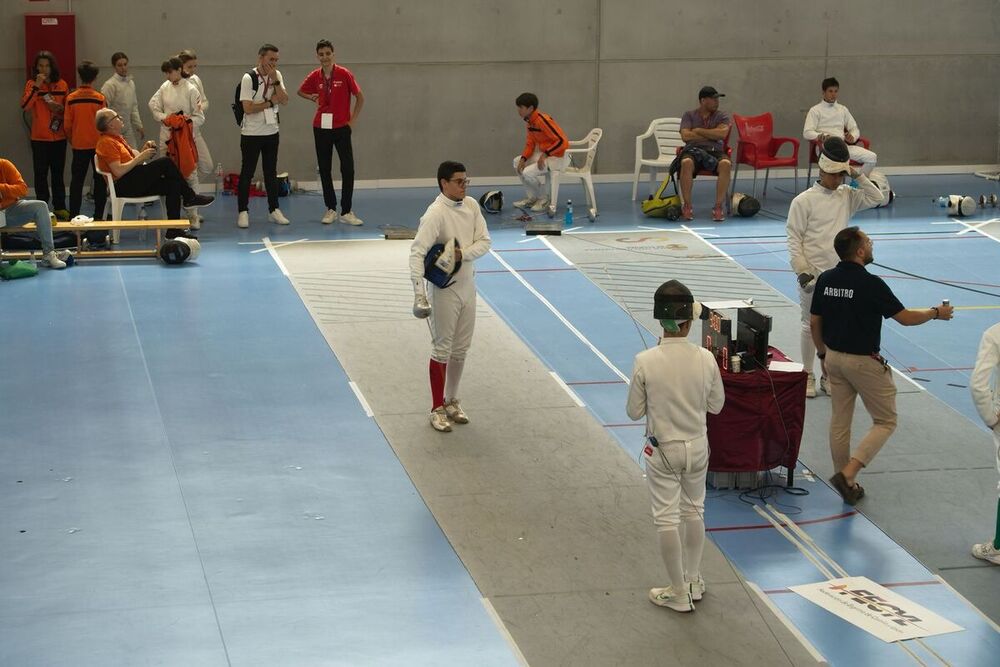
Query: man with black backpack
255,107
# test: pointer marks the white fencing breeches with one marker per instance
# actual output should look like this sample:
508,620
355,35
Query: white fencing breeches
453,319
533,178
205,165
866,157
677,486
807,344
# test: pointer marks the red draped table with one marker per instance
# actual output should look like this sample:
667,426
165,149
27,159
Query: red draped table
760,426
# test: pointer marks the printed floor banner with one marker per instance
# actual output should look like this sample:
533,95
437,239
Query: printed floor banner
876,609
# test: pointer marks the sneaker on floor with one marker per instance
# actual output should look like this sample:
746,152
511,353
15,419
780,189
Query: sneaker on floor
811,386
687,212
697,588
987,552
666,597
276,216
824,385
50,260
64,255
197,201
718,215
329,217
540,205
525,203
455,412
243,219
850,494
350,219
439,420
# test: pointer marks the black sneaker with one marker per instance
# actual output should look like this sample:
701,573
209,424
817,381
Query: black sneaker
197,201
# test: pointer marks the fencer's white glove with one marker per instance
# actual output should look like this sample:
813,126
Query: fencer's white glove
421,308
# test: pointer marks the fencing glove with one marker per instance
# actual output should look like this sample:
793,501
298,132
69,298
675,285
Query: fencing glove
807,281
421,307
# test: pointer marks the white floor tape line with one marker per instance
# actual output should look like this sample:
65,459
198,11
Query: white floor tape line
562,318
780,615
274,255
548,244
277,245
572,394
504,631
361,399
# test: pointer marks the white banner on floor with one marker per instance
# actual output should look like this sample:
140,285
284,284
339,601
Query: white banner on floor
876,609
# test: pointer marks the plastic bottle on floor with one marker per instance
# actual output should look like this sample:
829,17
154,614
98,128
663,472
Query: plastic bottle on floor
568,217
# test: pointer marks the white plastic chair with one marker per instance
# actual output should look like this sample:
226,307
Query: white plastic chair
116,204
588,147
667,133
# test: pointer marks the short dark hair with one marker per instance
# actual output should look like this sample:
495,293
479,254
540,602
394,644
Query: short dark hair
88,71
527,100
171,64
186,55
830,82
53,67
116,56
265,48
847,241
447,169
324,43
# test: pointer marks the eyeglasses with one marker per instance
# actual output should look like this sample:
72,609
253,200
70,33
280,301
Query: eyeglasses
464,182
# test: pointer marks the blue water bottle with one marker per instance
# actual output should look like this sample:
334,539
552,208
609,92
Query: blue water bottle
942,202
568,218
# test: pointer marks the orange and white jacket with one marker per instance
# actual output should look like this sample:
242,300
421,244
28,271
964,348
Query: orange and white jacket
41,115
82,106
544,134
12,186
181,147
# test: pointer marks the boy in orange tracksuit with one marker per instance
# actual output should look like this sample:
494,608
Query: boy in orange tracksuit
543,151
81,107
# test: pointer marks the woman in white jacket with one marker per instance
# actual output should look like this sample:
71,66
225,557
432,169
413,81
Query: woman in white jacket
189,68
983,386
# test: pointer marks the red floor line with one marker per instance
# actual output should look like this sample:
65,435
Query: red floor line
579,382
779,591
928,370
835,517
893,276
877,238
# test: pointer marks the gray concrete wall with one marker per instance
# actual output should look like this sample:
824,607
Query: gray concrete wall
440,78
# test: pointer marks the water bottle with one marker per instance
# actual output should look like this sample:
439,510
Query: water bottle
942,202
568,217
218,179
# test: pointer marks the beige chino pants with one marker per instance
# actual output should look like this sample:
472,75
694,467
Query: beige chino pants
850,375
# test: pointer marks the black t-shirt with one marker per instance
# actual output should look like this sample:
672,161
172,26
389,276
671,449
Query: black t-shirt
852,303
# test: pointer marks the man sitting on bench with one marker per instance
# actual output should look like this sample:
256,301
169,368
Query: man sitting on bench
135,177
19,211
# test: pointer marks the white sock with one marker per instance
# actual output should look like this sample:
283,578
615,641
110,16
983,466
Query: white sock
693,538
671,551
452,378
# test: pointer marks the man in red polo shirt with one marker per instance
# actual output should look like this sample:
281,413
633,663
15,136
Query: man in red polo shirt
331,86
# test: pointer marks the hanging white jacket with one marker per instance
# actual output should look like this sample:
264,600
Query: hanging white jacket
120,96
170,98
983,383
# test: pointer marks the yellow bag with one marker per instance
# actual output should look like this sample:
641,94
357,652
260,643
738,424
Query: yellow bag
659,206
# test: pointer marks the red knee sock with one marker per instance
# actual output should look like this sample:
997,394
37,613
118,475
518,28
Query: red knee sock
438,371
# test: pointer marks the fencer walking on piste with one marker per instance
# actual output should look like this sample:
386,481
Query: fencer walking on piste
451,235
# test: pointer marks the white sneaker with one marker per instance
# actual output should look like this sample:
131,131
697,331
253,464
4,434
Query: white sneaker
439,420
243,220
350,219
455,412
277,217
195,221
824,385
329,217
987,552
810,386
51,260
63,254
540,205
666,597
525,203
697,588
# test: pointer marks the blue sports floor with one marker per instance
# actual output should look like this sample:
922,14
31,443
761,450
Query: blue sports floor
189,479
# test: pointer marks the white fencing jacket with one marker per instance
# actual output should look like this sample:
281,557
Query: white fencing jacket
831,118
444,220
983,383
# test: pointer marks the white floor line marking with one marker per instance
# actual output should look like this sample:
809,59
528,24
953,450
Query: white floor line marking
361,398
548,244
567,389
530,238
691,230
277,245
571,229
907,378
576,332
979,611
969,227
363,238
795,542
274,255
780,615
504,631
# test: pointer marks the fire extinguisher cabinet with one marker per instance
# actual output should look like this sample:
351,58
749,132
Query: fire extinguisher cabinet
55,32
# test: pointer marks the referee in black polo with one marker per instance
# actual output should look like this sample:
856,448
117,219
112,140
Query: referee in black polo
846,316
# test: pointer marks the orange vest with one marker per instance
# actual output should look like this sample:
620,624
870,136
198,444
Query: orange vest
82,106
42,116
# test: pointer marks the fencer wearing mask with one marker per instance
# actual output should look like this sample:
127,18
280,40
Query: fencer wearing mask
674,385
453,226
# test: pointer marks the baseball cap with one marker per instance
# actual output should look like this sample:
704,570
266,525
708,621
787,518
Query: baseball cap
708,91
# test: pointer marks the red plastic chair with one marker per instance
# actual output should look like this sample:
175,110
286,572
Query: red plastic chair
759,149
726,148
814,156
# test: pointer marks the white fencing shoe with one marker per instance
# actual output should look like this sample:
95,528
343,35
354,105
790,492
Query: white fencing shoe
329,217
455,412
987,552
277,217
540,205
525,203
666,597
439,420
697,588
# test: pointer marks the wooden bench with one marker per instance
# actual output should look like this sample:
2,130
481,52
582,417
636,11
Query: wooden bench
80,229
